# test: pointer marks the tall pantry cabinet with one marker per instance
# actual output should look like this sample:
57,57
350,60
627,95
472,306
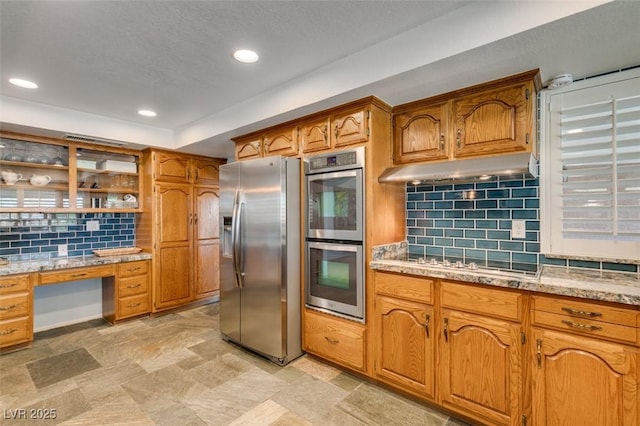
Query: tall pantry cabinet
180,226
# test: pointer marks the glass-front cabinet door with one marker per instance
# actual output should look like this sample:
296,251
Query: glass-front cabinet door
34,176
106,180
50,175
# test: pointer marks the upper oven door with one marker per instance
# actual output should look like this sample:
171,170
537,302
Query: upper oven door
335,205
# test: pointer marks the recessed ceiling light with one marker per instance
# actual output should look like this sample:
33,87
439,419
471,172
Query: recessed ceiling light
23,83
246,56
147,113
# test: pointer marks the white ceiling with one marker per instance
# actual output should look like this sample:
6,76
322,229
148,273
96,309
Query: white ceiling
98,62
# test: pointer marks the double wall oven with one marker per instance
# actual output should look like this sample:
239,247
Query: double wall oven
335,233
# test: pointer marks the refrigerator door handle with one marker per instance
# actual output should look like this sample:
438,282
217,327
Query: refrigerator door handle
240,257
235,219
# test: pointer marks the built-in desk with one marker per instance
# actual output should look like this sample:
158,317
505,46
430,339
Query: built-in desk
125,289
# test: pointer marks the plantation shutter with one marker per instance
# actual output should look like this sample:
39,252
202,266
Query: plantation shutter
594,162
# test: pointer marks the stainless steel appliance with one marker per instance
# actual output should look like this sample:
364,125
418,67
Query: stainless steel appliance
334,263
260,256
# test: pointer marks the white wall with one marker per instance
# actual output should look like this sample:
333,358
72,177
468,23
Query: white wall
57,305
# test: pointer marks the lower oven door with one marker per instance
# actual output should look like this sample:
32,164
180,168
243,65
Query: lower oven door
335,280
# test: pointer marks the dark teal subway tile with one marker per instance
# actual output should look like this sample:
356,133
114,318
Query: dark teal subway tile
443,187
416,214
424,205
18,244
411,205
466,204
511,204
461,242
435,251
425,241
434,214
532,203
502,264
498,193
416,196
531,236
453,252
619,267
551,261
511,184
584,264
443,242
511,246
411,240
441,205
524,193
29,236
410,222
487,224
475,233
532,247
59,241
498,235
443,223
475,214
498,255
477,256
415,231
486,204
532,225
462,186
498,214
454,214
487,244
454,233
453,195
531,182
435,196
486,185
424,223
524,214
464,224
434,232
524,258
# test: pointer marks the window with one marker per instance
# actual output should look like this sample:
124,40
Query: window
590,163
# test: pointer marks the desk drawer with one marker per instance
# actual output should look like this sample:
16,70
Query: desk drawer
76,274
14,283
14,331
134,285
341,341
405,287
489,301
134,305
14,305
130,269
586,327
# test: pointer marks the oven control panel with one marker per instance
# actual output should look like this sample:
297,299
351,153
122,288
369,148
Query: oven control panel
350,159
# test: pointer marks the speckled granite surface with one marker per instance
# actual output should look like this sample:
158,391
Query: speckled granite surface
619,287
41,265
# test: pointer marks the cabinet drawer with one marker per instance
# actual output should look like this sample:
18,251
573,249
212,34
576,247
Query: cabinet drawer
134,305
586,326
579,309
487,301
339,340
14,331
14,305
130,269
14,283
405,287
76,274
134,285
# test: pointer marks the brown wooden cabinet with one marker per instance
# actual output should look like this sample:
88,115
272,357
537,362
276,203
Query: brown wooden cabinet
338,340
493,118
420,134
315,135
281,142
350,127
584,362
482,352
128,294
16,311
404,322
181,228
247,148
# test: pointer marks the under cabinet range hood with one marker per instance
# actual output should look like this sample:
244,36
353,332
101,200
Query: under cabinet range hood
462,171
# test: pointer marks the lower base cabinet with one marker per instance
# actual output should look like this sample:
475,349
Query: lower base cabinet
583,381
335,339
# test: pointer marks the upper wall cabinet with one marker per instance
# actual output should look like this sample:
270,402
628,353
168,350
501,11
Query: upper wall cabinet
281,142
46,174
177,168
315,135
492,118
351,127
247,148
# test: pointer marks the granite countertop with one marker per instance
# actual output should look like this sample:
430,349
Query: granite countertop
42,265
618,287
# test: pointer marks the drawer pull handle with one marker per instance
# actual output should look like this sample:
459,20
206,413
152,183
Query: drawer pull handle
7,308
578,313
133,269
133,305
579,326
133,286
78,275
332,341
8,285
539,352
9,331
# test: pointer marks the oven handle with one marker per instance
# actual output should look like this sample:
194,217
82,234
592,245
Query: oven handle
333,175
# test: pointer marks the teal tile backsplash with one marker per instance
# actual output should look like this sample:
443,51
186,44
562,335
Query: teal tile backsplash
472,222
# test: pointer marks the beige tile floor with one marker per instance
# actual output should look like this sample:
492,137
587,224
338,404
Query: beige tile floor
176,370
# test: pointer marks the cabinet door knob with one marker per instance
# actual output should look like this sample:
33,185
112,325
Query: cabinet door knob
458,138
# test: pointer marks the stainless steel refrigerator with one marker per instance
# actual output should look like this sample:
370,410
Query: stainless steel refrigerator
260,256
